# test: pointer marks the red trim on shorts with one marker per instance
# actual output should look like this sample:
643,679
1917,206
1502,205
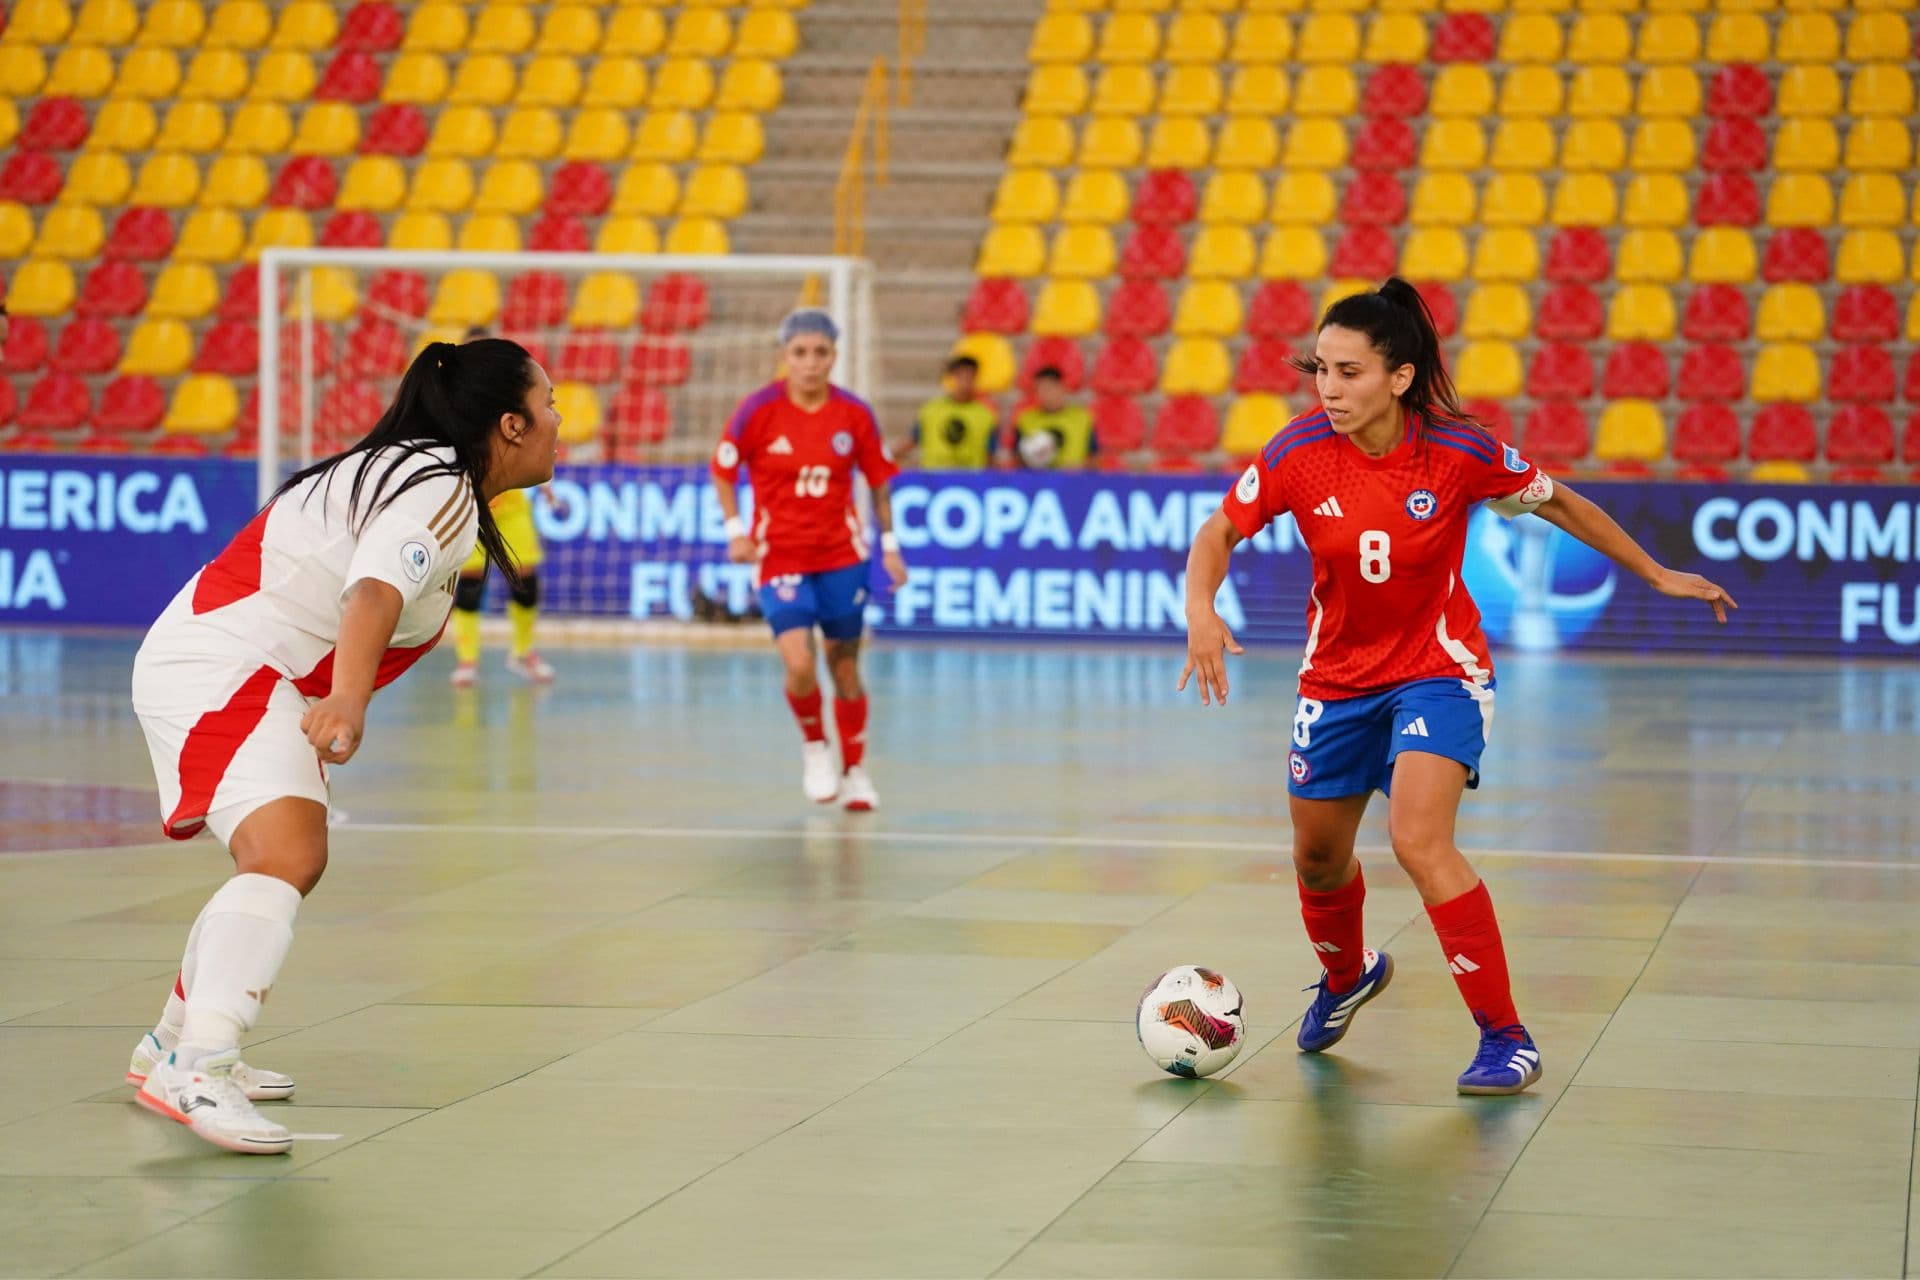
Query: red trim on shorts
211,746
234,574
394,663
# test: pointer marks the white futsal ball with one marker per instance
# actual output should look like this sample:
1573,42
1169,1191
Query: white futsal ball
1038,449
1189,1021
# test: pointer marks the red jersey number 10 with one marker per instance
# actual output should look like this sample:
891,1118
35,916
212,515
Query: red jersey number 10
812,482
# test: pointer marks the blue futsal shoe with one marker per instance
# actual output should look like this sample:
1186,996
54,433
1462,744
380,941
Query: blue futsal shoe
1507,1062
1329,1016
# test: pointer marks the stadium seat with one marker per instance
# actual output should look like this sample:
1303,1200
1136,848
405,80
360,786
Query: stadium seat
57,402
1434,253
1497,311
605,300
1111,142
1055,89
111,23
216,75
1135,309
1266,367
1866,313
1648,256
150,74
1185,425
619,84
1302,197
87,345
1394,90
1128,37
1153,252
1043,142
579,408
1327,37
1556,435
1233,197
1530,91
1790,313
160,347
1796,254
1654,200
1293,253
123,125
54,124
1124,366
1878,143
1861,373
1706,436
1024,195
509,186
30,178
1716,313
1860,436
1325,91
1525,146
1373,198
676,303
1196,367
1635,370
1178,142
130,403
1363,253
1063,38
437,26
1786,371
350,77
1453,144
1513,200
72,232
1505,254
484,80
140,235
1727,199
1880,89
26,346
204,404
1640,312
1807,37
1195,38
1593,145
1662,146
305,26
371,26
1866,200
1739,91
665,137
1868,256
1600,92
350,229
503,29
275,228
699,33
1489,369
1569,313
1783,433
23,71
766,33
327,129
579,189
1601,39
1016,250
16,230
715,191
1722,255
1208,309
184,291
1383,143
1530,37
1804,143
590,357
166,181
550,233
1058,353
1066,308
1280,309
441,186
1191,91
1668,91
1559,371
1395,37
1667,38
1739,37
1252,419
1261,39
229,347
1443,200
638,416
1583,200
115,289
260,129
1081,253
1630,431
549,82
633,31
211,235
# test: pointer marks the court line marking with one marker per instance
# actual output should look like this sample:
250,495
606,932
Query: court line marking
1005,838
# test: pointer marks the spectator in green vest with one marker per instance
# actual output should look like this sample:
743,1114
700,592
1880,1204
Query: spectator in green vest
956,431
1051,433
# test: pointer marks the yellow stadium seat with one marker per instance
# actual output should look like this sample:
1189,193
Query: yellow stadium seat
1506,254
463,132
1870,256
484,80
1128,37
1233,196
1293,253
1261,39
1434,253
173,24
16,229
570,32
211,235
510,186
1653,200
1015,249
1531,91
647,189
600,134
634,31
1094,195
70,231
235,182
1110,141
465,297
1808,37
994,356
1252,420
549,82
1454,144
1879,37
1196,367
203,404
1328,37
283,75
278,228
1913,319
41,22
105,22
1878,142
374,183
1630,431
1325,89
1790,313
191,126
626,235
1668,37
239,24
1061,37
530,133
1395,37
1178,142
1662,146
1120,6
161,348
683,85
1777,471
1866,200
700,33
1442,200
1195,37
1640,313
715,191
1126,89
1593,145
22,71
1222,252
749,84
185,291
1802,200
1599,39
1722,255
619,83
1806,143
122,124
147,73
664,136
1315,144
501,28
1809,91
41,288
1648,255
1258,91
1055,89
327,129
1668,91
1082,253
1880,89
578,405
441,186
79,72
1513,200
1041,142
1489,369
1066,309
1786,371
420,231
305,25
1461,89
1499,311
1739,37
9,121
1191,91
1302,196
1602,92
167,180
219,75
1530,37
605,300
766,33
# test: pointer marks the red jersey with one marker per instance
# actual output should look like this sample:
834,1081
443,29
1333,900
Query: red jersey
1387,536
802,465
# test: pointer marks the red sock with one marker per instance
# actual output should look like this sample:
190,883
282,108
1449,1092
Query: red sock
850,717
1333,927
807,711
1470,940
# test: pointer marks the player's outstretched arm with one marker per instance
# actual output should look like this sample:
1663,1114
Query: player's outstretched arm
1208,640
1580,518
889,542
336,723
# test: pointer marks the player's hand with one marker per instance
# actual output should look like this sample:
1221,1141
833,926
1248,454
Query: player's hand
896,569
334,726
1207,636
1691,586
742,550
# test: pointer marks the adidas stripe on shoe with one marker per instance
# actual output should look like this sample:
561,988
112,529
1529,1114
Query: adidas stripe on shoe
1330,1015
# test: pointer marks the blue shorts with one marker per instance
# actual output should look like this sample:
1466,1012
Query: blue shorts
1347,747
834,601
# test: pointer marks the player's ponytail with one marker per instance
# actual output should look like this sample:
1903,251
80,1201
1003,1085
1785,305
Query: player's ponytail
1398,323
451,397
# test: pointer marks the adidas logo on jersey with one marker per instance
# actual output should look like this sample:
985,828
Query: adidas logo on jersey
1417,729
1331,507
781,445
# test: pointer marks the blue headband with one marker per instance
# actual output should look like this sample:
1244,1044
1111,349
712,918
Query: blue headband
808,320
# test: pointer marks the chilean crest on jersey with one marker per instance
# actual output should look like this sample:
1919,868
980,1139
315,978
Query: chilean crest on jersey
843,443
1421,504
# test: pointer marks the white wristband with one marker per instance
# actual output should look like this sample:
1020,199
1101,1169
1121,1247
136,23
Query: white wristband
889,543
736,527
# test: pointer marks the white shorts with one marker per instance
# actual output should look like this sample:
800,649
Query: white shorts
216,766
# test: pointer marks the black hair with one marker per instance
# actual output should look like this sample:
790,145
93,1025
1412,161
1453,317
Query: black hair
1046,371
451,397
958,363
1397,322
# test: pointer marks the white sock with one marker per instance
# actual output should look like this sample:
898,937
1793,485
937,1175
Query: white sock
167,1030
244,935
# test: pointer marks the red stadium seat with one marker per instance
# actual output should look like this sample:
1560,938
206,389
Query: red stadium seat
1735,143
9,402
321,346
1120,425
375,349
241,301
1055,353
996,306
231,347
536,300
1635,370
1578,255
135,403
1783,433
638,416
1557,434
31,178
1727,199
117,289
580,187
659,362
1910,440
675,303
1865,313
26,348
1394,89
588,357
1153,253
559,233
1440,302
1712,372
1280,309
183,446
396,129
54,124
1716,313
1463,37
1385,142
1912,389
1136,309
87,345
304,182
1706,434
535,348
1569,313
402,291
352,76
1266,365
1373,198
1366,253
1740,91
1165,198
1860,435
371,26
1124,367
1797,255
1185,425
1560,370
352,229
58,402
346,412
140,235
1490,414
1861,373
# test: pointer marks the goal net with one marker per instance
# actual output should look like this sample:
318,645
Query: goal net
648,356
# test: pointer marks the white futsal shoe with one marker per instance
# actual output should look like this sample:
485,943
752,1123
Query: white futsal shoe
464,674
206,1098
258,1085
817,777
856,791
530,666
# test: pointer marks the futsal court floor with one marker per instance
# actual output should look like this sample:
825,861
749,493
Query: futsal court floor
589,990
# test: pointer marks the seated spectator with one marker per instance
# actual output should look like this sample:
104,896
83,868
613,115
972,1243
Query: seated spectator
956,431
1050,433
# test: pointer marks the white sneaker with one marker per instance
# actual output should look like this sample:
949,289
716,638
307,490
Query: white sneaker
856,791
817,777
206,1099
530,666
258,1085
464,674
